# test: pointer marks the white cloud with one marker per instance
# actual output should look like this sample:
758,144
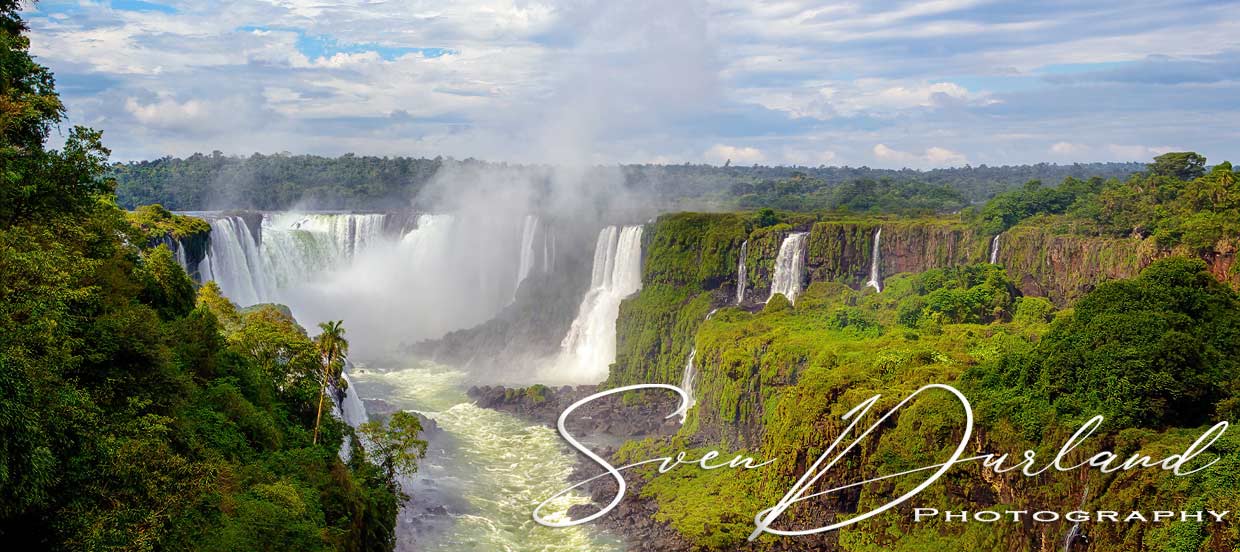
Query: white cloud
873,97
809,157
797,81
720,154
168,113
1066,149
934,156
1121,152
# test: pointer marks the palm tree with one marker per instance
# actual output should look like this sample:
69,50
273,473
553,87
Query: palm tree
332,348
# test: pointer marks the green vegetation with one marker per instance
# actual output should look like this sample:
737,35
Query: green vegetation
1177,201
137,413
1155,354
155,222
283,180
1155,351
332,348
800,192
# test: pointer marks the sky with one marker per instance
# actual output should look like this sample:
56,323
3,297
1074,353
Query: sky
793,82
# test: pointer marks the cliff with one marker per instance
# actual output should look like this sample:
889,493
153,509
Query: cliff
774,381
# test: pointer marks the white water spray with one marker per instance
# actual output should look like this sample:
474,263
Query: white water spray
994,249
789,267
876,280
741,276
590,345
446,273
235,263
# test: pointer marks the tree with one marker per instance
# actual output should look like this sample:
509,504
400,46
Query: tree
1180,165
332,348
396,446
1156,350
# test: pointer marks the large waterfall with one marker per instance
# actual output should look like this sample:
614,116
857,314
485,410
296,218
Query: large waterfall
876,280
590,345
789,267
994,249
293,247
449,271
233,261
741,277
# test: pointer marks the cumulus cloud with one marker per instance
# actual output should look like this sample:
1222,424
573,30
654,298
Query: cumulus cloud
721,153
933,156
593,81
1068,148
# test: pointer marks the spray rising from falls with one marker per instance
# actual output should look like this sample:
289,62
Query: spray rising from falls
741,277
450,270
590,345
876,280
994,250
789,267
292,247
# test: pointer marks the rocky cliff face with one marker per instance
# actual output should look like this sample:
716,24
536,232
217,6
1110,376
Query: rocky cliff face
691,267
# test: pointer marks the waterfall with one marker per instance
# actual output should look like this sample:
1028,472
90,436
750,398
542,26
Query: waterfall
443,273
741,276
876,281
789,267
352,411
294,247
235,262
686,380
590,345
686,383
994,250
548,250
527,251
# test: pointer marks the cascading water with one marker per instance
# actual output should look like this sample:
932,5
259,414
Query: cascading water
352,411
485,469
235,263
686,383
483,473
741,277
527,251
686,380
876,280
994,249
548,250
789,267
590,345
294,248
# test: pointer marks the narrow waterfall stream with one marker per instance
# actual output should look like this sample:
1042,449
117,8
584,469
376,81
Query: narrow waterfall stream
789,267
876,279
527,251
994,249
741,277
686,383
686,379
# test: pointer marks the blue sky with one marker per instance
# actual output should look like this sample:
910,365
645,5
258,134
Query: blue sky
877,83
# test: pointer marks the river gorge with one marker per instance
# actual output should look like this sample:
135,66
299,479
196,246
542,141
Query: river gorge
439,303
